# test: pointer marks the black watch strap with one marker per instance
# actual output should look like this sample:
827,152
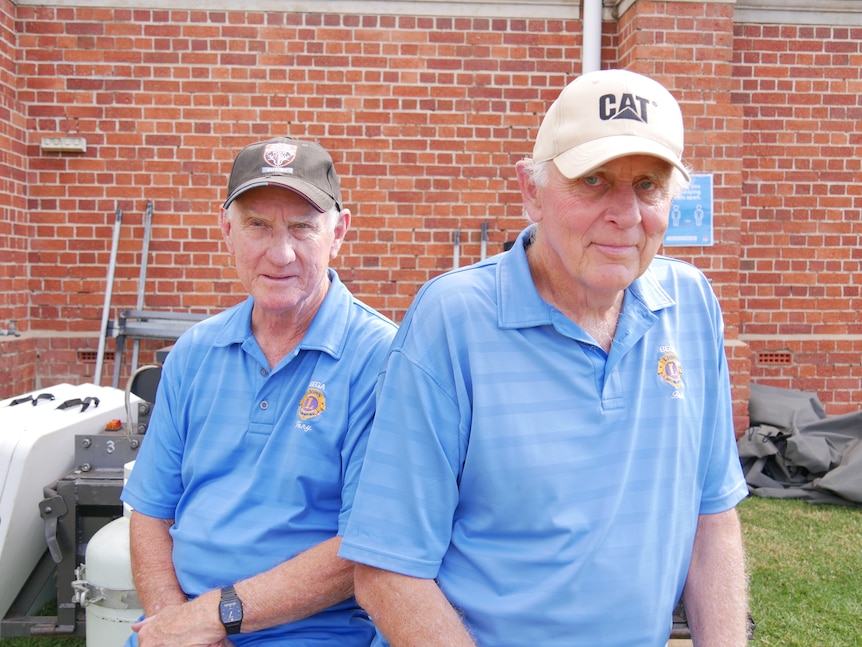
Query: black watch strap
230,611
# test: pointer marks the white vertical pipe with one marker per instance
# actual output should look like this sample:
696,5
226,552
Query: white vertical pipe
591,56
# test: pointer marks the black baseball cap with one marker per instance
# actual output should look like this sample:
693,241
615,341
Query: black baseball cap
301,166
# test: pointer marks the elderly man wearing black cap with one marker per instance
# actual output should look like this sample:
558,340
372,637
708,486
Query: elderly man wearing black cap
246,477
553,459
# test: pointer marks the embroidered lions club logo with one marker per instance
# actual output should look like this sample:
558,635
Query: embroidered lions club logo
313,403
670,370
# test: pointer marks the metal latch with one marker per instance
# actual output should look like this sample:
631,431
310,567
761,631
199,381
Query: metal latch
51,509
31,399
83,403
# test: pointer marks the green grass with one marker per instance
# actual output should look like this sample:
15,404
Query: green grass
805,565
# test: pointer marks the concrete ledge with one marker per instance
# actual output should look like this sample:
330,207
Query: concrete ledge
843,13
553,9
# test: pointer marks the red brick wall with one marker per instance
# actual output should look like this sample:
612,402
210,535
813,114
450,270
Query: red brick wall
801,254
425,118
17,355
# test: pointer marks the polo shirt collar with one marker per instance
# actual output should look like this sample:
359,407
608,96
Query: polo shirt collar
521,306
327,332
329,328
518,302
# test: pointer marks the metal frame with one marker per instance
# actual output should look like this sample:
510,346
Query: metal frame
148,324
74,509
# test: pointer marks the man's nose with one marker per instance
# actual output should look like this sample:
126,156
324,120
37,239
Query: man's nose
625,206
281,249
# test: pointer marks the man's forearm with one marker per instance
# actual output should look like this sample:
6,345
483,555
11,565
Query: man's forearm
308,583
152,564
716,590
411,612
302,586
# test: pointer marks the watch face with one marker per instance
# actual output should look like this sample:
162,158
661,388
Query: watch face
231,611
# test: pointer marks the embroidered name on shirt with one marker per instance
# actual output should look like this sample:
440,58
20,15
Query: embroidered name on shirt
313,403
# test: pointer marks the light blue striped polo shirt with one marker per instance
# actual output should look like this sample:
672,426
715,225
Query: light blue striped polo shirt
551,489
257,466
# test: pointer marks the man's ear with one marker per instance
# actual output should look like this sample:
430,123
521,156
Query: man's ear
226,224
529,191
342,224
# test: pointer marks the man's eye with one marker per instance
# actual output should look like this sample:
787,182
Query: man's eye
646,185
592,180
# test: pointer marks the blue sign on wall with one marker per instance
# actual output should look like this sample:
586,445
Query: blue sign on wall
690,220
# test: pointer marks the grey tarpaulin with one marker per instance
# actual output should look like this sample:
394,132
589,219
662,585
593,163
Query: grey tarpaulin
794,450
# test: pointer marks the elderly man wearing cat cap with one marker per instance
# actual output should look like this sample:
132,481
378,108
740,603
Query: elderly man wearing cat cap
552,461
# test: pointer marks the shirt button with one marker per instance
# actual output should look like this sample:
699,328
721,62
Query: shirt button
264,404
264,372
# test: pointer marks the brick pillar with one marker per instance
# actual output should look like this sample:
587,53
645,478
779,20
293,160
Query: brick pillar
688,47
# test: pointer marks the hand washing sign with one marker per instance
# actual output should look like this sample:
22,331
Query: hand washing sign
690,221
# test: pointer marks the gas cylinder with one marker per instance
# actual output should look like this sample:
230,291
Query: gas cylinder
104,586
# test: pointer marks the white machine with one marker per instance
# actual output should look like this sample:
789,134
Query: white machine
38,432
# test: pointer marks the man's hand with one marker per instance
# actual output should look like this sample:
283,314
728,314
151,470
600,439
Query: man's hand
193,624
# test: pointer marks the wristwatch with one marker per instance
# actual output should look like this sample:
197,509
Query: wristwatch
230,611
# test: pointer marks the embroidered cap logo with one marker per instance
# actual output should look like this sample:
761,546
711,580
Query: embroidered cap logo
279,155
629,107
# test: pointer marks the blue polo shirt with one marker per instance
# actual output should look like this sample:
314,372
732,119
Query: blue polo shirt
551,488
255,465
